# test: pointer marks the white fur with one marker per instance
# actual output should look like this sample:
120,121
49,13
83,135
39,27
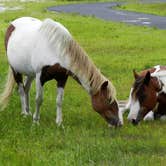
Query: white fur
134,109
59,99
120,117
149,116
161,75
37,41
22,97
39,98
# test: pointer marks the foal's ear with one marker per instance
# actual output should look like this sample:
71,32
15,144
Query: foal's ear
104,85
147,78
136,75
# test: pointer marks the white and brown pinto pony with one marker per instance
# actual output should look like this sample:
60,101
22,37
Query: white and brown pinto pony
45,50
147,98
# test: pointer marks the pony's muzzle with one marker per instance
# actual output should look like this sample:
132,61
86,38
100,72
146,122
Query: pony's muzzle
115,122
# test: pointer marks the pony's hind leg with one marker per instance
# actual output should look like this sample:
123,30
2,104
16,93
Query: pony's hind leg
19,80
39,98
28,82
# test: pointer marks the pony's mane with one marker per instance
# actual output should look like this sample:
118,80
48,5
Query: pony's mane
80,64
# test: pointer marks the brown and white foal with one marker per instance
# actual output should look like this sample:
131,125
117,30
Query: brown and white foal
147,98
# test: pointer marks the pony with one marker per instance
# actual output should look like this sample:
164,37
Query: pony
46,50
147,99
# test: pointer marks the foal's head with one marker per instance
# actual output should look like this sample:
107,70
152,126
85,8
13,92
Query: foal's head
144,96
105,106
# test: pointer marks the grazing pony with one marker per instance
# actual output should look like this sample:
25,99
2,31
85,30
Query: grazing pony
45,50
148,95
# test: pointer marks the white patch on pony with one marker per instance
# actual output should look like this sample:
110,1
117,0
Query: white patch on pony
39,98
134,109
59,99
120,114
22,97
129,101
157,67
161,75
127,106
149,116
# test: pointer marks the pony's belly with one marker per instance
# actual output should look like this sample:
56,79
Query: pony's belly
19,55
21,65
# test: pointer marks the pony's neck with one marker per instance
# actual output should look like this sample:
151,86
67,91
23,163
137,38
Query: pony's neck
83,68
87,83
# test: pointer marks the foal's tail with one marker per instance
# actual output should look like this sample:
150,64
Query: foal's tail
4,97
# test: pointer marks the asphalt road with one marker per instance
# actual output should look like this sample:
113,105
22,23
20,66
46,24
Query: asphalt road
105,11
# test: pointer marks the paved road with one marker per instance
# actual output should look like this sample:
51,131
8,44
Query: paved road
105,11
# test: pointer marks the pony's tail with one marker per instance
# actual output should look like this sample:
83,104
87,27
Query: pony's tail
4,97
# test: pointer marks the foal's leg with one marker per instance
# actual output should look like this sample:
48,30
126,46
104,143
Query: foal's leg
39,98
59,98
28,82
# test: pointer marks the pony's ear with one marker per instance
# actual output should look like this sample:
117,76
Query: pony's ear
104,85
136,75
147,78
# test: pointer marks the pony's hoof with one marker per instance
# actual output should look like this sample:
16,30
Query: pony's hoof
24,114
29,113
36,122
59,122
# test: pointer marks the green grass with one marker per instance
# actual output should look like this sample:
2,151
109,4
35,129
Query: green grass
156,8
85,138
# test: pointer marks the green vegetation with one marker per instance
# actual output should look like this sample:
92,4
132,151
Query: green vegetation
156,8
85,139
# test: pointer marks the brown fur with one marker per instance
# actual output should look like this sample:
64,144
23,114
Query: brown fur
9,31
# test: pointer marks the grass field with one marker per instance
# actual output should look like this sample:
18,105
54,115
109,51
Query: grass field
156,8
85,139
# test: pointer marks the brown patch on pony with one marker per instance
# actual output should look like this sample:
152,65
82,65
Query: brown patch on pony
146,84
102,105
18,77
57,72
161,109
9,31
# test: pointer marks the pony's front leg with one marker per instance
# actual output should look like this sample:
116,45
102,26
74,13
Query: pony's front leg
60,91
39,98
59,98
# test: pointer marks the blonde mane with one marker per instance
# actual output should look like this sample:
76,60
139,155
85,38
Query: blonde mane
80,64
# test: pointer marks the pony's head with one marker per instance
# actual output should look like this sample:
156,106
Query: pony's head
105,106
143,96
